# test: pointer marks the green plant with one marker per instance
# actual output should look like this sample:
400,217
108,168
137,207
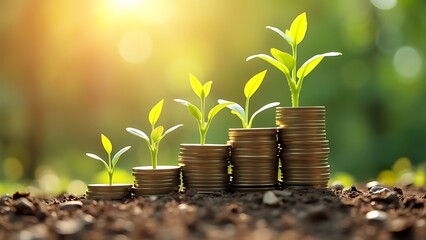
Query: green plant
110,165
249,90
287,63
157,133
202,92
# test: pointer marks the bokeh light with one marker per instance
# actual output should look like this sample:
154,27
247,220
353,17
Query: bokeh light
384,4
407,62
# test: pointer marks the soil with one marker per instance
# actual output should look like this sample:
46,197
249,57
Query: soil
292,213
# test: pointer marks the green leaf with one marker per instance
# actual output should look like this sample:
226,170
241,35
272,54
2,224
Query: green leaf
282,34
155,112
216,109
240,117
206,89
253,84
118,155
310,65
267,106
96,157
191,107
298,28
172,129
239,111
284,58
157,133
138,133
106,143
196,85
272,61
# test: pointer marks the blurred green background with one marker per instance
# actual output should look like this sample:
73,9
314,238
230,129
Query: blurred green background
73,69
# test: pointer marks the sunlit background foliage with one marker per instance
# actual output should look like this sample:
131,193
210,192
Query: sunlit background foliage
73,69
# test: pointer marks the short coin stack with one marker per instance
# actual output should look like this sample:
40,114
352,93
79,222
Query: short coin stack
254,158
156,182
205,167
108,192
304,146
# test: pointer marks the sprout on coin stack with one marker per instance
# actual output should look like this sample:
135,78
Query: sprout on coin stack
204,166
302,129
254,151
108,191
154,179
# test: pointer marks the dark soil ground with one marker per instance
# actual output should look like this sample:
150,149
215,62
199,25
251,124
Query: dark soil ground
393,213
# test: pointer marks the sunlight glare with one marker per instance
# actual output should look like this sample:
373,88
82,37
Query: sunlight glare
135,46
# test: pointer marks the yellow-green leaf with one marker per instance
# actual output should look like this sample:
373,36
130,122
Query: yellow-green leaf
254,83
311,64
157,133
206,89
106,143
298,28
284,58
196,85
272,61
155,112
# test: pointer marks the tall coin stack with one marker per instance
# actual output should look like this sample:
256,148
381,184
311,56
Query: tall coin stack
205,167
304,146
254,158
156,182
108,192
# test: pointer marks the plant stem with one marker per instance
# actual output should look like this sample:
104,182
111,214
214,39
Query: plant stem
295,99
202,125
154,156
246,118
295,92
110,170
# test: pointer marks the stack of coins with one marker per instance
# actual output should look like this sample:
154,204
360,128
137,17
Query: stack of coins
156,182
254,158
304,146
108,192
205,167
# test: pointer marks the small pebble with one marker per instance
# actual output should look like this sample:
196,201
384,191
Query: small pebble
71,205
372,184
337,186
378,190
398,190
353,189
283,193
24,206
5,200
88,220
392,198
269,198
376,215
36,232
69,226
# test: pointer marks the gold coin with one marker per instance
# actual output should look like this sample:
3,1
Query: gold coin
153,192
109,188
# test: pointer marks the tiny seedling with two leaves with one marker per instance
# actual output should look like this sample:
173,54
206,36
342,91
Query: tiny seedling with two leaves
202,91
249,90
157,133
110,165
286,63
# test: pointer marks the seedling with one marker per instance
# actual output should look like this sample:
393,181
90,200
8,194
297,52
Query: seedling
202,92
110,165
249,90
157,133
286,63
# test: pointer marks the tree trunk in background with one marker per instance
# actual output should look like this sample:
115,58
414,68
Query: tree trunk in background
30,52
